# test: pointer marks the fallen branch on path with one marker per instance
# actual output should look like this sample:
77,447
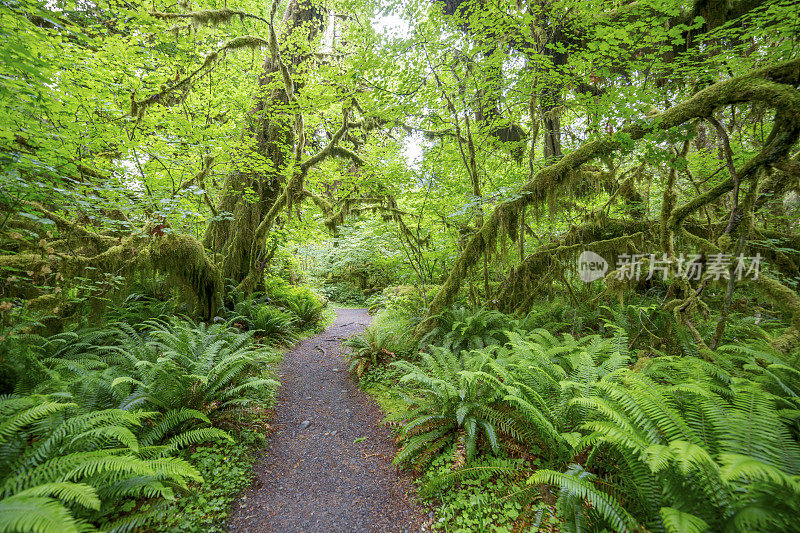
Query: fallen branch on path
367,456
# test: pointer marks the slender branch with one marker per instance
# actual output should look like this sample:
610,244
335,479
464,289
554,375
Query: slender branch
723,135
247,41
65,225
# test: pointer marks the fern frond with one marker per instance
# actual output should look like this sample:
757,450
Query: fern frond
608,508
676,521
195,436
69,493
35,515
30,415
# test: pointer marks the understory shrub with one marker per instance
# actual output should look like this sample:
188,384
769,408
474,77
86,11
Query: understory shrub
460,328
137,308
306,310
370,349
409,300
273,323
277,314
343,292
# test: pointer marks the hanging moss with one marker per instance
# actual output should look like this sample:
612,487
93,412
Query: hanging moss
347,206
245,41
788,300
208,17
185,261
772,86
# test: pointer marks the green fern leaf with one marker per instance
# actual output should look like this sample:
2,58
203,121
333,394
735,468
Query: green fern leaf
27,514
676,521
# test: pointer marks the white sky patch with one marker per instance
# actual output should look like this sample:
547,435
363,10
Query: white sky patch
391,26
329,35
412,149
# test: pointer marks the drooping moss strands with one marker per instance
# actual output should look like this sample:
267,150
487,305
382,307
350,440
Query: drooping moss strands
181,257
184,259
323,204
210,17
784,134
138,107
773,86
348,205
788,300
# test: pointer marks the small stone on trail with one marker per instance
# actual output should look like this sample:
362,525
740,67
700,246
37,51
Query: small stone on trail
304,424
308,397
334,432
335,369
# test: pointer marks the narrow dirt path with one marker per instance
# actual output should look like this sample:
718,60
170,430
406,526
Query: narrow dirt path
334,474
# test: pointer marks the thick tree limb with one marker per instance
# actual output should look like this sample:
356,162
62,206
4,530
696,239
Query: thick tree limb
773,86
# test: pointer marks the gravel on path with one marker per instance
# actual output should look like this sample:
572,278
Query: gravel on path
328,463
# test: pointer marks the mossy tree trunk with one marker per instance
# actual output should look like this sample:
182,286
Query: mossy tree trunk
250,193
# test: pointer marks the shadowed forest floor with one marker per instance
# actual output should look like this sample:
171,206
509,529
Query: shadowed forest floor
328,461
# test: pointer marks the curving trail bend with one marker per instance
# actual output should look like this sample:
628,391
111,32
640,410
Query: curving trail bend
334,474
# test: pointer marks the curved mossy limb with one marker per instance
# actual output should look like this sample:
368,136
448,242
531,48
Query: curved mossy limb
772,86
608,240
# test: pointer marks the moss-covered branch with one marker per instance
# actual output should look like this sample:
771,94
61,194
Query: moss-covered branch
138,107
772,86
788,300
607,238
209,17
69,227
181,257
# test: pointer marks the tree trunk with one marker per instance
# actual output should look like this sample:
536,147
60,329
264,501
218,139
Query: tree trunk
249,192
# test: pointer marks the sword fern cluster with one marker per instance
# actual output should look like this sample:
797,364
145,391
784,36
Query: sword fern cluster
666,444
111,420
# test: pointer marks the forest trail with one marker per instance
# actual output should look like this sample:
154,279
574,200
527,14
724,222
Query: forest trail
334,475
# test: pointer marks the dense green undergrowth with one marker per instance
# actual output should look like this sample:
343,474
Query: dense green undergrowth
570,419
145,423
